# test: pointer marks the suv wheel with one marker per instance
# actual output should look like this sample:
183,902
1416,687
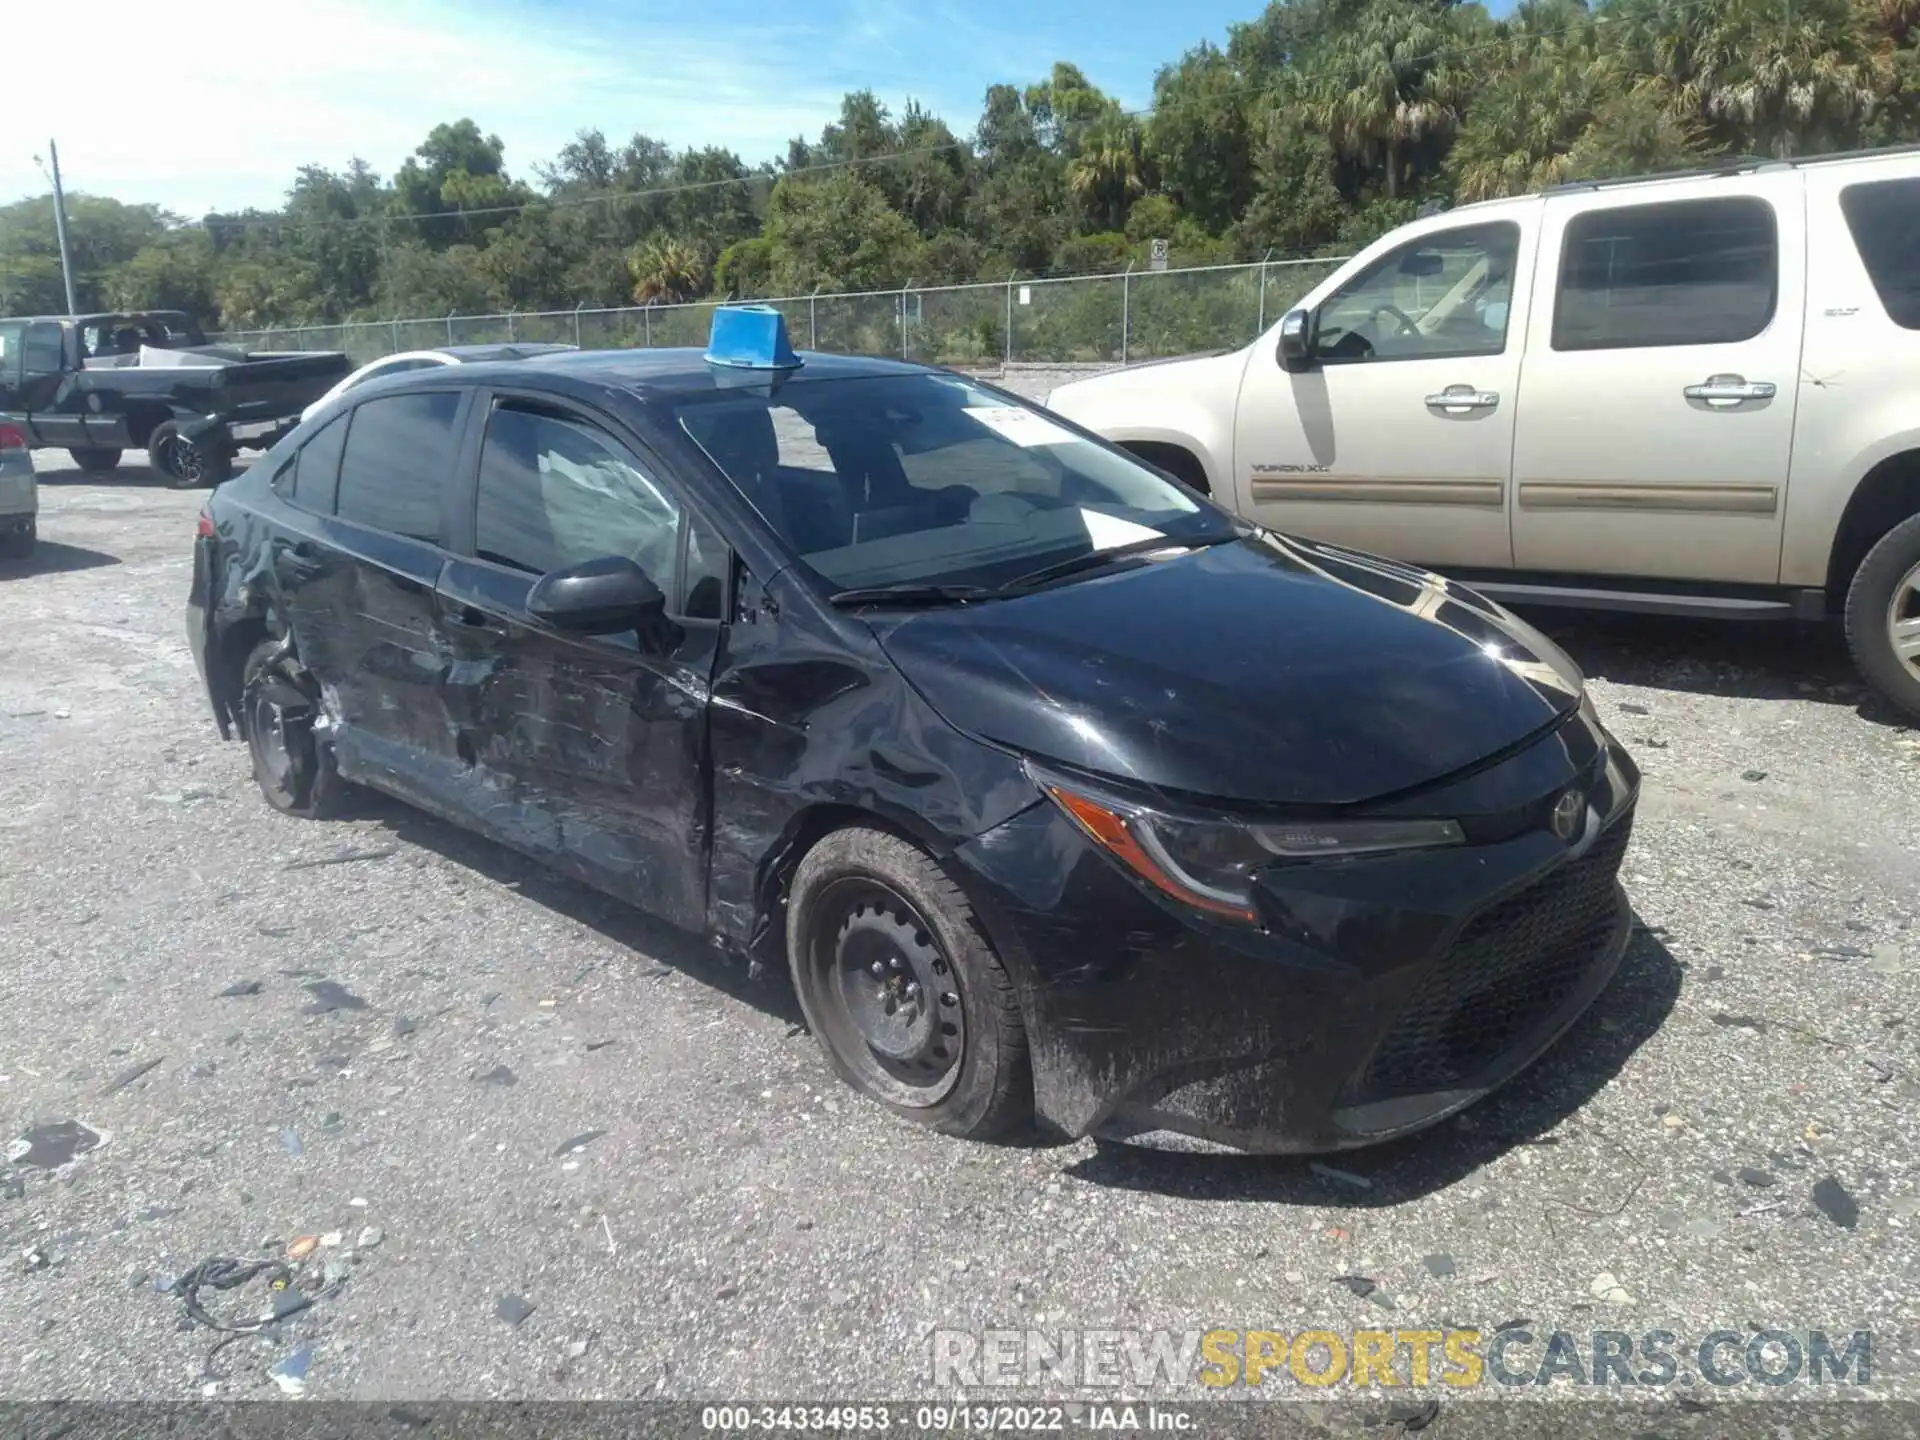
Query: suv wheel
95,459
188,464
1883,616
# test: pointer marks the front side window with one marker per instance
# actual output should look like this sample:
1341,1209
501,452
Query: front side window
1685,272
920,478
556,491
1884,217
398,454
1441,295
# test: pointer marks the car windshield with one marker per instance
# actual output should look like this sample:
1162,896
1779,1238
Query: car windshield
899,480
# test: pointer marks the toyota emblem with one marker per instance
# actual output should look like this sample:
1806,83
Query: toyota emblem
1567,813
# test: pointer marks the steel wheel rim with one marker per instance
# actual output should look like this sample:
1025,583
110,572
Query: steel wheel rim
1903,621
273,752
888,993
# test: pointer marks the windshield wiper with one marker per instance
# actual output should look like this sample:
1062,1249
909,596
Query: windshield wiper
913,592
1098,559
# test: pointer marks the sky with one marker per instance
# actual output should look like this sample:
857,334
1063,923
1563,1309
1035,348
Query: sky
200,105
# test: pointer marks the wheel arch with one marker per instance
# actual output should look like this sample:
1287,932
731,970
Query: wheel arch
1886,495
1178,460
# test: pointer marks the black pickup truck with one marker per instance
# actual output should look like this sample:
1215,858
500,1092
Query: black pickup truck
95,385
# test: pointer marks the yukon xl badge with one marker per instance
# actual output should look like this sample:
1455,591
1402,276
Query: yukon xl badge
1567,811
1289,469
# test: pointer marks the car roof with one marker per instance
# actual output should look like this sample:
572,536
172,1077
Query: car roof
477,354
94,315
672,371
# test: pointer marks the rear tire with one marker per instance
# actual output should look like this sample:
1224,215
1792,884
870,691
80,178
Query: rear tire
1883,616
902,989
96,460
291,765
189,464
18,544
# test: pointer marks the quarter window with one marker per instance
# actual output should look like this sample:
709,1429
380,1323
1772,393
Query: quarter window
398,453
1884,217
555,491
316,469
1440,295
1687,272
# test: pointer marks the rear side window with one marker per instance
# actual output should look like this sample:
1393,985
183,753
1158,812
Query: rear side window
399,451
316,469
555,491
1884,217
1687,272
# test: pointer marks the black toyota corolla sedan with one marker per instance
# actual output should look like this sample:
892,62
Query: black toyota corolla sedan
1065,796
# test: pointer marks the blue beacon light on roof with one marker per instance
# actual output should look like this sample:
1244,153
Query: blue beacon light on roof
750,337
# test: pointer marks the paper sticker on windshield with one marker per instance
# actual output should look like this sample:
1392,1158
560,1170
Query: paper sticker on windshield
1022,427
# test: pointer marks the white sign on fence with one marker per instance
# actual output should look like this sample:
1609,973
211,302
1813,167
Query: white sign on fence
1157,255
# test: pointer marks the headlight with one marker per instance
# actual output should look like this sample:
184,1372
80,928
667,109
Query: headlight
1209,863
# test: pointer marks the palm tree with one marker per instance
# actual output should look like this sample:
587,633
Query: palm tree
666,271
1109,169
1384,84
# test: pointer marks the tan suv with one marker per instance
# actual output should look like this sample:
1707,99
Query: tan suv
1697,394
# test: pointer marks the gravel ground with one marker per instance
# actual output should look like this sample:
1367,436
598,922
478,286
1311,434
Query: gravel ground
384,1028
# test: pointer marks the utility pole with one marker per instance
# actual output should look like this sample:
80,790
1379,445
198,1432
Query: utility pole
60,229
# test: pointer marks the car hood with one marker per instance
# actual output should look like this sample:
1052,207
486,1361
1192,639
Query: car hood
1262,670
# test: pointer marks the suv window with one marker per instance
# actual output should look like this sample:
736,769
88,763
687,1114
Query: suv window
316,469
1686,272
43,350
556,491
1442,294
1884,217
398,452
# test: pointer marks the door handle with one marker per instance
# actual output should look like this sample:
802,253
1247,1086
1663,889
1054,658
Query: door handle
1725,390
1456,399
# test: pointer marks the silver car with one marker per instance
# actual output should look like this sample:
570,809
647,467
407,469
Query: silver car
19,494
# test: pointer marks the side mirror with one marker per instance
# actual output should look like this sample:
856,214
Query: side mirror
597,597
1296,340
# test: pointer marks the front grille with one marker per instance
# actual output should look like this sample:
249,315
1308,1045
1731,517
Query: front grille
1511,966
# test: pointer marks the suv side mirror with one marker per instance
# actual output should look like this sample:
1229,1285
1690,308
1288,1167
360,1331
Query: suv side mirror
1296,340
597,597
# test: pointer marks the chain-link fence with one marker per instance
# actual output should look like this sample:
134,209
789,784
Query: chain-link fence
1072,320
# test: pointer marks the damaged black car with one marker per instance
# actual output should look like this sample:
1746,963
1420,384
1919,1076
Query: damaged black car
1068,799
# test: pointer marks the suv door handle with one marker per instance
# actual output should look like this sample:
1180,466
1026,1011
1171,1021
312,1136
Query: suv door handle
1725,390
1457,398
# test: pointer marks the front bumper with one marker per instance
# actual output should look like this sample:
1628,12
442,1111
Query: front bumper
1381,995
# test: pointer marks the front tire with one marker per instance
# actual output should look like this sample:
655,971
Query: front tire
291,765
1883,616
96,460
189,464
902,989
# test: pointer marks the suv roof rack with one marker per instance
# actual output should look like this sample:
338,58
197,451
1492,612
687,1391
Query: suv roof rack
1733,165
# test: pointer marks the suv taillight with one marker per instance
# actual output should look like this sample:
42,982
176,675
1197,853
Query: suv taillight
205,530
12,437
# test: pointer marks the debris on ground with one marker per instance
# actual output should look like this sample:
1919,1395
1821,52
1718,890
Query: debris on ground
369,1237
579,1142
1753,1175
1439,1266
1836,1203
226,1272
51,1146
1740,1022
132,1073
304,1246
514,1309
329,996
1344,1177
1414,1416
238,989
345,857
290,1374
1366,1289
498,1075
1608,1288
291,1142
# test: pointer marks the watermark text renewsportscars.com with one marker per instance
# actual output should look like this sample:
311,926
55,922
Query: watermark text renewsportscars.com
1242,1361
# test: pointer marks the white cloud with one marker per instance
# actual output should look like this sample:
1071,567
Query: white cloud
213,104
